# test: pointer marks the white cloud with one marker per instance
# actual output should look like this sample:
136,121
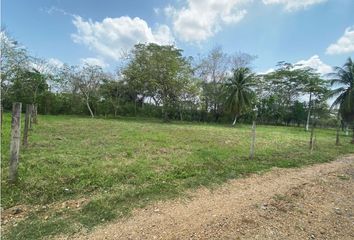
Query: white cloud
313,62
345,44
54,9
293,5
316,63
266,71
114,35
55,62
200,20
94,61
157,11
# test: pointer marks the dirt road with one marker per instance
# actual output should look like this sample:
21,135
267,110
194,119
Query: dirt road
315,202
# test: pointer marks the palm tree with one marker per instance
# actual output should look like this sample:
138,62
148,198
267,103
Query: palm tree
344,78
239,91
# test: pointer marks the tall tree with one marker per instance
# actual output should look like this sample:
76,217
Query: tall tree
159,72
315,87
23,78
239,91
213,69
112,90
344,80
14,60
85,80
241,59
28,86
285,85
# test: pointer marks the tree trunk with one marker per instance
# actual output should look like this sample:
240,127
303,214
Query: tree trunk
337,136
165,108
35,113
308,113
215,113
234,122
165,116
89,108
205,116
253,142
135,107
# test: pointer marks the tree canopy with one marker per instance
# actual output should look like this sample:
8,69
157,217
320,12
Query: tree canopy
160,81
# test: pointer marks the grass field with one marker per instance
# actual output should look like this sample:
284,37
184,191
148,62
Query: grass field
115,165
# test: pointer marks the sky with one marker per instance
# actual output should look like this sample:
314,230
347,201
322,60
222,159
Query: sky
315,33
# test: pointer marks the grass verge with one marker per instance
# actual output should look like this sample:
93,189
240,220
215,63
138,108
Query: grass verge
118,165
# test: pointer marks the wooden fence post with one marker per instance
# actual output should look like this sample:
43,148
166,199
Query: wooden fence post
253,139
27,120
312,141
35,112
15,141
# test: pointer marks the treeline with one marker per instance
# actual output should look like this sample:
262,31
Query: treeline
158,81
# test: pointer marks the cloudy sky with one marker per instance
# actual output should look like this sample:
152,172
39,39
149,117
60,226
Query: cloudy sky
317,33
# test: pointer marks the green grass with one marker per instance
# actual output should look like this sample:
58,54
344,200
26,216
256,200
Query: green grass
123,164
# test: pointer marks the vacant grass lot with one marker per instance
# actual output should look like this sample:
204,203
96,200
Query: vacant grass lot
116,165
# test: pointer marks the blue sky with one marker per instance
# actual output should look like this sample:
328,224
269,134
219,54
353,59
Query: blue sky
317,33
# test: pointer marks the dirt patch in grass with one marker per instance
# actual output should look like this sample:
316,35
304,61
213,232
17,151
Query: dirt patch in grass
12,216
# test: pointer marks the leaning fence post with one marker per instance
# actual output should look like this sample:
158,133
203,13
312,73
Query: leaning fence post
27,120
15,141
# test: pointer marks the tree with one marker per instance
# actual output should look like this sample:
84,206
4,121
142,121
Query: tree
213,70
298,112
110,91
24,78
239,91
28,86
286,81
14,59
284,85
189,98
158,72
344,79
314,86
241,59
86,80
115,92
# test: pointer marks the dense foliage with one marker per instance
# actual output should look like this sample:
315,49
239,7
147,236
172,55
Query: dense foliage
158,81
